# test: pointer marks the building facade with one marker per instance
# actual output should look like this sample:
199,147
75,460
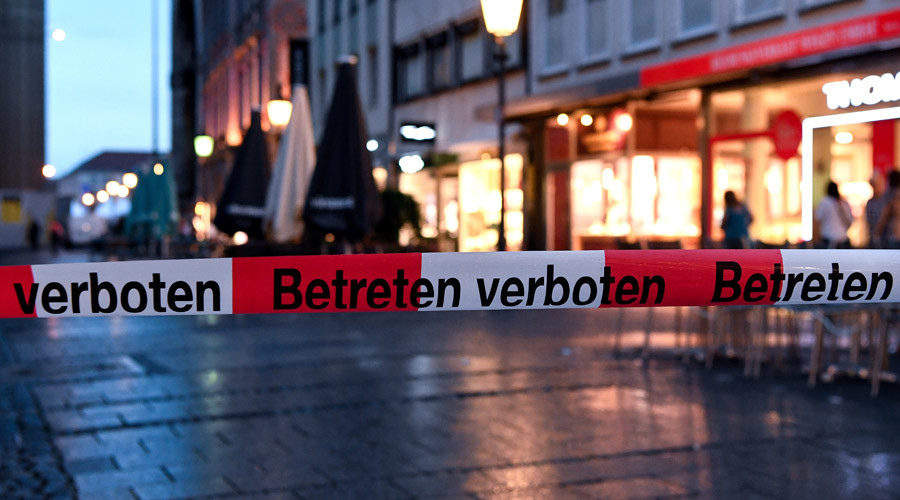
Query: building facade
427,81
714,92
229,58
22,94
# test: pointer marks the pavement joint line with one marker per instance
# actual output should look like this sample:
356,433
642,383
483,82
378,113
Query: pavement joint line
351,405
285,388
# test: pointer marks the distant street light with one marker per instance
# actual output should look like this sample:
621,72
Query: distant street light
158,168
279,111
58,35
102,196
501,18
112,187
87,199
203,146
49,171
130,180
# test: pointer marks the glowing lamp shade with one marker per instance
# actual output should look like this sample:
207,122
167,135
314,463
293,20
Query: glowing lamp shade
49,171
203,145
501,17
130,180
279,112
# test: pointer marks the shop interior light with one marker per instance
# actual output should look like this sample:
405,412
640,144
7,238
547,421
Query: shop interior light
372,145
587,120
411,163
130,180
102,196
49,171
203,145
843,138
241,238
562,119
623,122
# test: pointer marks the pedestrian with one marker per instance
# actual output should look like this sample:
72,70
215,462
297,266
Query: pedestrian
874,206
34,234
57,232
736,222
835,218
888,226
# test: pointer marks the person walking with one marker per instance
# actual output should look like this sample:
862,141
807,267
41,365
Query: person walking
736,222
835,218
888,226
874,207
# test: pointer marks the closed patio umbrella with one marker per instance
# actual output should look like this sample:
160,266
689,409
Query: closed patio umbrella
291,172
153,212
243,201
342,196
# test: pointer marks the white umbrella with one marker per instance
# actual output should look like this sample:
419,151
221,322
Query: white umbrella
290,175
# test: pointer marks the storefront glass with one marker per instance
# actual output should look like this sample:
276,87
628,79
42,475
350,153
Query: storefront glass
479,204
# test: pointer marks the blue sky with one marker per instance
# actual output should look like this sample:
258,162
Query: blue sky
98,78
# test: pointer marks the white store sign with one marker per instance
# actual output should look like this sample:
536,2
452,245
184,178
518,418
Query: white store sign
872,89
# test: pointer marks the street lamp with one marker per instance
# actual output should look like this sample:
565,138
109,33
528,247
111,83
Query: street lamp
501,18
279,111
203,146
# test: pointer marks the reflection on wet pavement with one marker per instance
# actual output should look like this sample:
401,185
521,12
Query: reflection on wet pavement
455,405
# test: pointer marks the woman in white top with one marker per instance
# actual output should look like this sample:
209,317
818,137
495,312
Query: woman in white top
835,217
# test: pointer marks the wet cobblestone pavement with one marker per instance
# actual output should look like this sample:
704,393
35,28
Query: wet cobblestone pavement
452,405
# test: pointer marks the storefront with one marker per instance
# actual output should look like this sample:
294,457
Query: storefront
624,175
739,120
460,202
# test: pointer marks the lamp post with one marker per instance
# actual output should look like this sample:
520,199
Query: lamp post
501,18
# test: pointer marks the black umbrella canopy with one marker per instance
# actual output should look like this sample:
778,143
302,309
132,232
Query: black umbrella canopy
342,196
243,202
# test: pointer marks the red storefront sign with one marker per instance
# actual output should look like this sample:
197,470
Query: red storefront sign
804,43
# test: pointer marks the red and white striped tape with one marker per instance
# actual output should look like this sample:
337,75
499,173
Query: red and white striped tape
451,281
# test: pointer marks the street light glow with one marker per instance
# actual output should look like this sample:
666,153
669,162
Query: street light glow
241,238
123,191
501,17
372,145
279,111
203,145
58,35
587,120
158,168
562,119
112,187
102,196
49,171
130,180
87,199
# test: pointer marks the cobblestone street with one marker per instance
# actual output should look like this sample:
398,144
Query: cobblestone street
430,405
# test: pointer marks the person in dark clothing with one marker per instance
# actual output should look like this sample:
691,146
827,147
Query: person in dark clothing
34,234
736,222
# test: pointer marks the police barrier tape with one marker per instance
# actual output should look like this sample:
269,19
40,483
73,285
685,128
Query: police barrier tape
451,281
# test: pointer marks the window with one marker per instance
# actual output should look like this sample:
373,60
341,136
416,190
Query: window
642,24
471,51
440,64
596,22
320,11
321,55
412,72
554,52
514,49
696,16
337,11
353,28
372,60
748,11
371,22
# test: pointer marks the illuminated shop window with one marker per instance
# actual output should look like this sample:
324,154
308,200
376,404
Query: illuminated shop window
479,204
